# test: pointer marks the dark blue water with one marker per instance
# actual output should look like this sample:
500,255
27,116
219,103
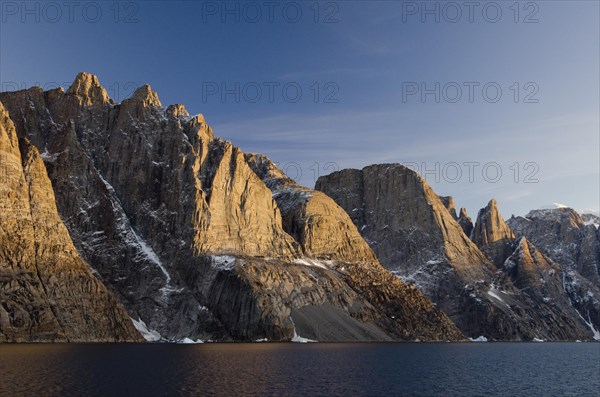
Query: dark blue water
486,369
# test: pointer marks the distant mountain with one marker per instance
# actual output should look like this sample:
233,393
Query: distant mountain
565,236
497,285
195,238
573,241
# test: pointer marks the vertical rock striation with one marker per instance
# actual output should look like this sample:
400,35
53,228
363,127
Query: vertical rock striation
47,294
492,235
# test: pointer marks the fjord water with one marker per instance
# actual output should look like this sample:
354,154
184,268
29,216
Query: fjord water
476,369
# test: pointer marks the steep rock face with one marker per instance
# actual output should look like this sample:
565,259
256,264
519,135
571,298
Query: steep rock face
395,208
450,205
464,220
492,235
325,232
47,293
182,227
322,228
565,237
537,277
540,283
414,234
574,244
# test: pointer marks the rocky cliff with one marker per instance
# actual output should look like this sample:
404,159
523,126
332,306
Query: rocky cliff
565,237
47,293
574,244
492,235
416,234
201,241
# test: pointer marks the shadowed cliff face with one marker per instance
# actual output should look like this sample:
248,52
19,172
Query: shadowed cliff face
416,234
193,239
47,293
535,274
564,237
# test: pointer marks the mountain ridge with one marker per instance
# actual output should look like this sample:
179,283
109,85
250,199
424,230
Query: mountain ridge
180,227
407,225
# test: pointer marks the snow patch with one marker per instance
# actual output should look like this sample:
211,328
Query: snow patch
479,339
188,341
134,239
49,157
553,206
297,338
223,262
149,334
494,294
588,322
150,254
310,263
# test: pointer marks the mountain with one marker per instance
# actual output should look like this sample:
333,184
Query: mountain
535,273
47,292
489,286
565,237
199,240
574,243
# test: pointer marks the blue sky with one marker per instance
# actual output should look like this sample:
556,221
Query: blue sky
358,65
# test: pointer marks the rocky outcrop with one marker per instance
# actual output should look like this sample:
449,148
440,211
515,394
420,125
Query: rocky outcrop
450,205
564,236
492,235
47,293
574,244
538,277
414,233
464,220
195,240
540,283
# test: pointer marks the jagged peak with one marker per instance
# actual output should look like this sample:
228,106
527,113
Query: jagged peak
490,226
266,169
145,95
448,202
177,110
465,222
198,119
523,243
88,88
